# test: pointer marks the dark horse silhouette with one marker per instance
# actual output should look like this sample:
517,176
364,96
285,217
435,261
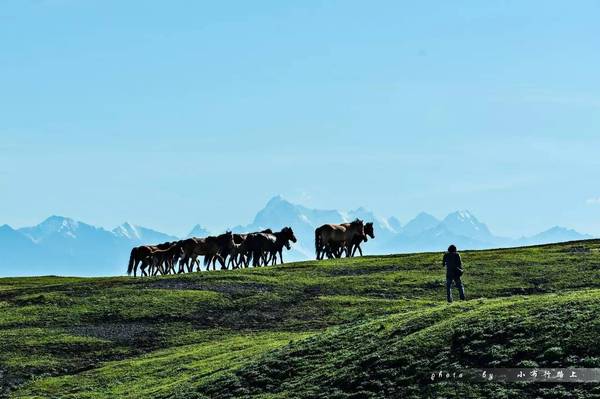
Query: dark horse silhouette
357,240
330,238
264,247
224,244
143,256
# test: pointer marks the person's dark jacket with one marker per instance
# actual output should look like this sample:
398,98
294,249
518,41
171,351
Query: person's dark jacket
453,264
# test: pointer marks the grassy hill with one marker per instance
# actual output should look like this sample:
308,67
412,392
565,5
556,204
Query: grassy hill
357,328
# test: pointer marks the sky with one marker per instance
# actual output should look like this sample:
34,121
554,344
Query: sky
169,114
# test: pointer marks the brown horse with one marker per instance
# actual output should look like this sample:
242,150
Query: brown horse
218,249
163,259
357,240
330,237
240,251
142,256
139,255
192,248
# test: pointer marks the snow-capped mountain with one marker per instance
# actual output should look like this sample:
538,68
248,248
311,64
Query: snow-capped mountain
463,223
60,245
53,226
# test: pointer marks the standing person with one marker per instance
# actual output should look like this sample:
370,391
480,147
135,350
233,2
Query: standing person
453,264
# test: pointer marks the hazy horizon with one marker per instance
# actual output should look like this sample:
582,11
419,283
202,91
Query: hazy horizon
219,229
168,115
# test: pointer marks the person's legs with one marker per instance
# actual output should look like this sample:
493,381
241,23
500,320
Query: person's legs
449,289
461,288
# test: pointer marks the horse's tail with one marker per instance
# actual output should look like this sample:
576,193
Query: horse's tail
318,241
131,261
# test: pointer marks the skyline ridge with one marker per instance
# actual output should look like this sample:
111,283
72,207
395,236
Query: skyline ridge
278,197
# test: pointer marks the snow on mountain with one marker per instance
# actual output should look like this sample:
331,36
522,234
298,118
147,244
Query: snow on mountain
463,223
53,225
279,212
128,231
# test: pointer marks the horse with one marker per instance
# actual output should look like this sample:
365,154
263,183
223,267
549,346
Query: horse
258,244
283,239
194,247
264,247
240,251
357,240
163,259
142,256
218,249
189,254
329,237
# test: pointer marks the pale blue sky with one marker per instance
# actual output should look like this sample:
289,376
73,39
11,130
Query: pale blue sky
171,113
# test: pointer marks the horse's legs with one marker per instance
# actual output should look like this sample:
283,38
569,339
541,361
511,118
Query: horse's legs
281,256
359,250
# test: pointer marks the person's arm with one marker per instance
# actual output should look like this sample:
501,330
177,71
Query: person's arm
444,259
459,261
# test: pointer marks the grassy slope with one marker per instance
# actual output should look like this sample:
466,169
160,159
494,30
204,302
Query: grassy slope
374,325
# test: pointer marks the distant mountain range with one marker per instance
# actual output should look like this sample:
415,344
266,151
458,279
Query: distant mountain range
60,245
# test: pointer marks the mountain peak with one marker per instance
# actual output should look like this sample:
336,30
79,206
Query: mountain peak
420,223
57,223
425,215
127,230
275,200
466,224
6,227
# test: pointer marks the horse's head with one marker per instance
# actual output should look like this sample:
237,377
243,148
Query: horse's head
369,230
289,234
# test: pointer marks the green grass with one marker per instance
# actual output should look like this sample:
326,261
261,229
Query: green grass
361,327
